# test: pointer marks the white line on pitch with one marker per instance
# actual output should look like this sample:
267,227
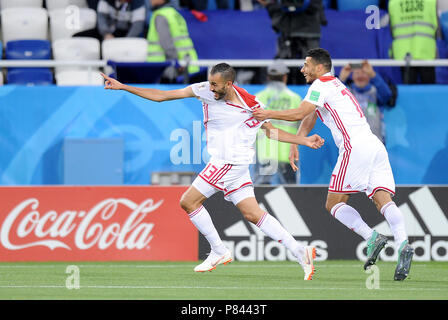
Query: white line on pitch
213,288
292,265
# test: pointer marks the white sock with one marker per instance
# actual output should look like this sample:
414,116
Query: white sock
351,219
395,219
272,227
202,221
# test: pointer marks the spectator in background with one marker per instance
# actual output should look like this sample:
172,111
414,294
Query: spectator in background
168,39
371,91
118,18
414,25
272,165
298,24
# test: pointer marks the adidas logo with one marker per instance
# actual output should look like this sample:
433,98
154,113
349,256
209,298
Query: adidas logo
429,211
433,223
255,248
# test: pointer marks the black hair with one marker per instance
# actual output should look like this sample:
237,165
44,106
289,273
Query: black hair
276,77
226,71
320,56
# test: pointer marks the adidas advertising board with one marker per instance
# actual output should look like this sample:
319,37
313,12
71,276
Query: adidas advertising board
301,210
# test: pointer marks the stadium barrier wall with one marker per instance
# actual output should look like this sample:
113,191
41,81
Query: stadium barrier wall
95,224
146,223
301,210
35,121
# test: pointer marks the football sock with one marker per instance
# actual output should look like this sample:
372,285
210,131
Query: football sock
351,219
272,227
395,219
202,221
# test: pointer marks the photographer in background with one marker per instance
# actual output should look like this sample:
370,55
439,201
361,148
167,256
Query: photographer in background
372,93
298,24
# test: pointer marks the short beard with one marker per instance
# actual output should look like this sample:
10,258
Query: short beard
221,95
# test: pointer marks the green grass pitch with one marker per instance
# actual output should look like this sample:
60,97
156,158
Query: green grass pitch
238,280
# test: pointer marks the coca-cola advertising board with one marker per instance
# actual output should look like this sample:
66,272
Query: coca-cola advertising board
68,223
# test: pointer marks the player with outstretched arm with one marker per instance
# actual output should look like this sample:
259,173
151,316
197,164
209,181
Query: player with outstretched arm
231,131
363,163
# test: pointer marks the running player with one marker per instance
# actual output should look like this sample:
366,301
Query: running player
231,132
363,163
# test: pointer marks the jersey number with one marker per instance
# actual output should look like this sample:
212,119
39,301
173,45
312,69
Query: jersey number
346,92
251,122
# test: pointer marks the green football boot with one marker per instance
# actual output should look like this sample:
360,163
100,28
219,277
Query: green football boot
375,244
405,254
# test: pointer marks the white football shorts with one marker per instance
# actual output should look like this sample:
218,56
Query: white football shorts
363,168
233,180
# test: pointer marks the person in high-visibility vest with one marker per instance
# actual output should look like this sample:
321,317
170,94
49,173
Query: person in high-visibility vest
272,166
414,25
168,38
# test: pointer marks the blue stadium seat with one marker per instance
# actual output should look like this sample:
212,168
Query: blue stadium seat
28,49
444,25
344,5
252,34
30,76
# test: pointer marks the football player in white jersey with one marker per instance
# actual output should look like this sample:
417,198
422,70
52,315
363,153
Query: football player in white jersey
231,131
363,163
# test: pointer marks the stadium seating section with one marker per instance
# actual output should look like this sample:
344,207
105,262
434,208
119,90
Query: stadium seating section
31,31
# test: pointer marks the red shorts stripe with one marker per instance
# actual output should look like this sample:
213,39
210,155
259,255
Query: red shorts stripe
211,183
223,173
380,188
243,185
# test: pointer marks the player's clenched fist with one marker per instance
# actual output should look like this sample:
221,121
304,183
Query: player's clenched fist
111,83
314,141
260,114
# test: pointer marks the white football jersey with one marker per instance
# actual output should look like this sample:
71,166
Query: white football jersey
230,129
339,111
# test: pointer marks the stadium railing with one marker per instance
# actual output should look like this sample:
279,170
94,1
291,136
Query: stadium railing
90,65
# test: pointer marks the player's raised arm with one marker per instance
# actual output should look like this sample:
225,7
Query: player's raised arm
304,109
314,141
148,93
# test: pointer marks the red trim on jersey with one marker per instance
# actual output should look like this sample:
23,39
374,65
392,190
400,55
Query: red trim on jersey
326,78
248,98
234,105
319,115
343,169
243,185
380,188
205,107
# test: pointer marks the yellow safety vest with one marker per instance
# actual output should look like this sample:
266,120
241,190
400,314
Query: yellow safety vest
179,32
276,99
414,25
